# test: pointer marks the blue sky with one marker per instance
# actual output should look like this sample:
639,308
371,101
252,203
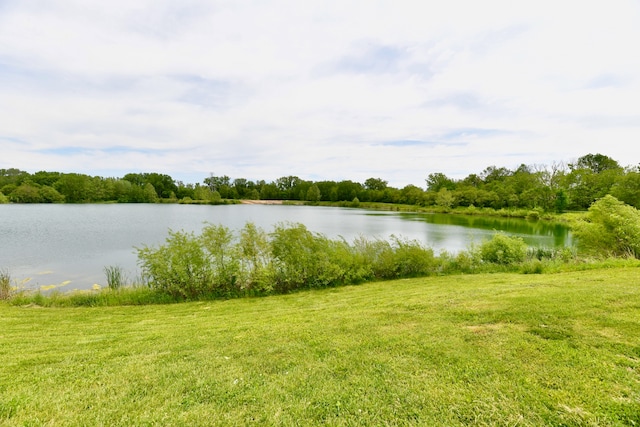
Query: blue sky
318,89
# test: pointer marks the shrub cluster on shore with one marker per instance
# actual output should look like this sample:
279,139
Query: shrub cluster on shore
218,263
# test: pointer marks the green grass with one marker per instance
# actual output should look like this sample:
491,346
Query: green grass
491,349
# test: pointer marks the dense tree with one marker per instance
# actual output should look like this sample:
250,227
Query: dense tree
550,188
596,163
288,186
313,194
12,176
27,192
269,192
375,184
164,185
75,187
437,181
627,188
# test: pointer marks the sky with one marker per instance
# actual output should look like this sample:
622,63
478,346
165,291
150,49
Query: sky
322,90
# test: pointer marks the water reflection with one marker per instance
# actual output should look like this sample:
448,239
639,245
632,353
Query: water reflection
554,234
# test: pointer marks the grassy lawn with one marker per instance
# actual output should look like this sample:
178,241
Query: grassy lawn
499,349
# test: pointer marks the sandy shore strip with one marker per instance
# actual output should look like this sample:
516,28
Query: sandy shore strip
261,202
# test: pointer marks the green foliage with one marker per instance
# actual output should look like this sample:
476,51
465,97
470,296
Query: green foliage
503,249
181,267
3,198
611,228
411,259
27,192
224,264
256,262
220,263
527,188
313,194
298,258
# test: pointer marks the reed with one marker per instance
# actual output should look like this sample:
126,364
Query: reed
116,277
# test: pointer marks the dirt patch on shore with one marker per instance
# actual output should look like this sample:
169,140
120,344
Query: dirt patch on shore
261,202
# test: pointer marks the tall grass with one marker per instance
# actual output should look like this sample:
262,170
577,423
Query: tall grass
116,277
5,284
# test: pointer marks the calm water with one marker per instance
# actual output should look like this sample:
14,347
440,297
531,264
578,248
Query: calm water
69,245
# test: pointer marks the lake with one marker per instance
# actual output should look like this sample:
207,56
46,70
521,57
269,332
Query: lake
67,246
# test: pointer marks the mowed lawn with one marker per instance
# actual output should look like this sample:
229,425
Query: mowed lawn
498,349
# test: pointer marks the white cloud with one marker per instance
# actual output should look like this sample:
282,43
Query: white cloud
323,90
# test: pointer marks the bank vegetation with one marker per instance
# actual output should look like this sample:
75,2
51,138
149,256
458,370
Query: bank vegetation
527,190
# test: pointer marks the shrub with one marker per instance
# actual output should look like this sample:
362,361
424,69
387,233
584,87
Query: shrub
533,267
224,265
503,249
534,215
302,259
179,268
611,228
411,259
465,262
256,268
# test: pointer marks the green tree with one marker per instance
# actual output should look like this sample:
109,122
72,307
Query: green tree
596,163
12,176
269,192
202,192
27,192
313,194
75,188
163,185
348,190
627,188
412,195
560,201
445,198
437,181
377,184
288,186
150,195
46,178
216,183
50,195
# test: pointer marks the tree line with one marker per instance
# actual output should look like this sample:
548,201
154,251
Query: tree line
557,187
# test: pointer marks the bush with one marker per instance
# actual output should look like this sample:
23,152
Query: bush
180,268
611,228
302,259
503,249
220,252
256,268
411,259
